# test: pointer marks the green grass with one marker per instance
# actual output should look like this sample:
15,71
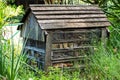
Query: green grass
9,63
105,64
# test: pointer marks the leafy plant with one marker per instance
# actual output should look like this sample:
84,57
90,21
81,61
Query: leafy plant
9,14
9,64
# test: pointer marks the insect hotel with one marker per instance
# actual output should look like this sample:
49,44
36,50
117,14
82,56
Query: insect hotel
62,35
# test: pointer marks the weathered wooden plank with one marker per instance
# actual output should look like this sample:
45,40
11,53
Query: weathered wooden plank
66,58
74,25
104,36
73,50
35,49
81,47
66,12
76,31
68,41
48,51
48,17
64,8
60,5
73,20
31,29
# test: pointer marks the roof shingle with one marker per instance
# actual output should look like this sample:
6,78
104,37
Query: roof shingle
69,16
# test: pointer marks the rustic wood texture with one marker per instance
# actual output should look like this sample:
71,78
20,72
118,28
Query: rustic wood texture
74,25
59,5
73,20
48,51
66,8
35,56
104,36
69,16
73,46
31,29
66,12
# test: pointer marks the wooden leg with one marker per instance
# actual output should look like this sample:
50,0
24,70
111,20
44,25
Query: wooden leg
48,51
104,35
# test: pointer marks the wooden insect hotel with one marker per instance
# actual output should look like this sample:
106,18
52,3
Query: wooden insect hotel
62,35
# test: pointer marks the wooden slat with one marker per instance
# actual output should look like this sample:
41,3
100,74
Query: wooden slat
82,47
76,31
66,58
72,50
48,17
60,5
74,40
65,8
74,25
74,20
35,49
66,12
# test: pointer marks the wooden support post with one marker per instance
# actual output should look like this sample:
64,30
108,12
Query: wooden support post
104,35
48,51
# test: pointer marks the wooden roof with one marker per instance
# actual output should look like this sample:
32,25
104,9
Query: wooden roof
69,16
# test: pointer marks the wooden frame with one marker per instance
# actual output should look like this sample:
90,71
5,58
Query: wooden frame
61,35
